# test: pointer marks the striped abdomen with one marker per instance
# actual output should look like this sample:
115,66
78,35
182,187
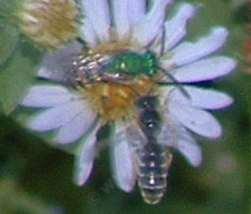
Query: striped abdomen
153,159
153,163
87,67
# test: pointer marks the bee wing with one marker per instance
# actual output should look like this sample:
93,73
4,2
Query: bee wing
174,135
57,66
135,136
125,138
168,134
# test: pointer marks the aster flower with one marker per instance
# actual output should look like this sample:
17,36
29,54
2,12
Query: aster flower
77,113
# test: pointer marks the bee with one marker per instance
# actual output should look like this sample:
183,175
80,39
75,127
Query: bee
152,159
93,66
122,67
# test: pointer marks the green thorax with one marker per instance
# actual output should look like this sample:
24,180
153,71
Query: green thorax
131,63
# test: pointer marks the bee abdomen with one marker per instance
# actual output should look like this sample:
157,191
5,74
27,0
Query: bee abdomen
152,172
87,66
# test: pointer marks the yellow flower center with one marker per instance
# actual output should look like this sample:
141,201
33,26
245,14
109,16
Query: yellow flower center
115,101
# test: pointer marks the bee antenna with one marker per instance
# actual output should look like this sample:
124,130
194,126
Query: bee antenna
174,82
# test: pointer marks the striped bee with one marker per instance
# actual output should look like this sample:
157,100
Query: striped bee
152,159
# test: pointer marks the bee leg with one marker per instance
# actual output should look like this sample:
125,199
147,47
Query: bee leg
169,159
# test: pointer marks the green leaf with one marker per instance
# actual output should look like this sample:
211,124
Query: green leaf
16,76
13,199
8,39
210,13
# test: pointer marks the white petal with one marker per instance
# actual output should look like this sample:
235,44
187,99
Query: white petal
137,10
206,69
56,116
47,96
56,66
87,33
174,135
121,17
190,149
76,128
97,11
202,98
122,160
188,52
175,29
198,121
146,31
84,161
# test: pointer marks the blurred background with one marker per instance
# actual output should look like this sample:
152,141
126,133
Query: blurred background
37,179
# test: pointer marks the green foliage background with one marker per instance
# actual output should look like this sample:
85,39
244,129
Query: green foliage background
36,178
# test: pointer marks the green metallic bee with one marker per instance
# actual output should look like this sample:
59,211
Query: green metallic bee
120,68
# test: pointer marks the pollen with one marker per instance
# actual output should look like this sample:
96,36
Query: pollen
49,23
115,101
